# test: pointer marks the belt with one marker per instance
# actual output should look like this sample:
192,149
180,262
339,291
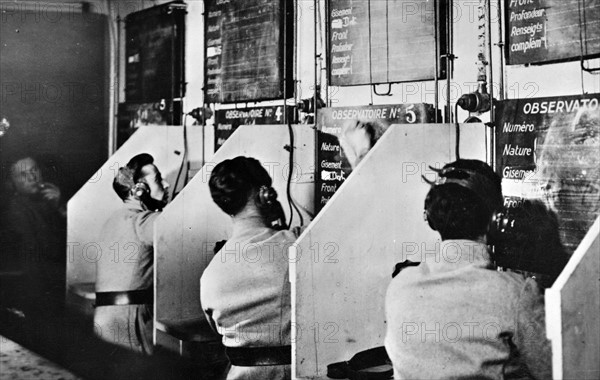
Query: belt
259,356
129,297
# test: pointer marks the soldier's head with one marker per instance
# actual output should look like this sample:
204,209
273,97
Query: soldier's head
461,204
140,179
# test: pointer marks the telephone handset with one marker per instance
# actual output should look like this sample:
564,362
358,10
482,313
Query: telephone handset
273,211
276,217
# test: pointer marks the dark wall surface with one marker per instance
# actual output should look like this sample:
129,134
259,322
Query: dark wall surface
54,91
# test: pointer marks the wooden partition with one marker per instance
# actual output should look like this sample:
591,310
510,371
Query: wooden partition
189,228
573,313
92,205
345,258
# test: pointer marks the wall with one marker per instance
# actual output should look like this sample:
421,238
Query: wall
55,88
520,81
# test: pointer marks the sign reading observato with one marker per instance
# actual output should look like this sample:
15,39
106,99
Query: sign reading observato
549,149
345,134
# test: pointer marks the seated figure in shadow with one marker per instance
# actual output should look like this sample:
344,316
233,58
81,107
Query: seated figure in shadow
245,290
34,235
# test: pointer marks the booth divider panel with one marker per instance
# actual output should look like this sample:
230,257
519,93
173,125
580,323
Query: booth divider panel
572,312
189,228
346,256
92,205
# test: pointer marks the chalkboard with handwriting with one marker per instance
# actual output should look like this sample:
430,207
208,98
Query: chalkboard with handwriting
549,149
155,53
248,50
384,41
541,31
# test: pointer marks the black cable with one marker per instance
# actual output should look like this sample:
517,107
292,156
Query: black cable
183,159
457,146
582,26
370,54
387,42
289,180
288,187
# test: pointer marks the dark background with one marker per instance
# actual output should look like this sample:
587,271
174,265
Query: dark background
54,92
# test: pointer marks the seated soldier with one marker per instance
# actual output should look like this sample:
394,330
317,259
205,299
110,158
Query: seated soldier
454,316
34,226
245,290
124,275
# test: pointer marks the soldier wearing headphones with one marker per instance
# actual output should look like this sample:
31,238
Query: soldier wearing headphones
454,315
245,290
124,278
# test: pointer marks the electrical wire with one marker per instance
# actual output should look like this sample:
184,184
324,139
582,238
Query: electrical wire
457,126
387,41
292,205
370,54
582,26
184,160
306,210
581,47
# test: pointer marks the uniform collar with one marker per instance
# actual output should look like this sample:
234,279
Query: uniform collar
455,254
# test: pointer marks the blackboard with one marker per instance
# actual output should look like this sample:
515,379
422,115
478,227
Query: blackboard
383,41
247,45
336,126
549,149
539,31
154,51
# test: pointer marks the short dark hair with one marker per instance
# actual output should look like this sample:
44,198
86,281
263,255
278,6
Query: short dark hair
232,182
130,174
456,212
462,205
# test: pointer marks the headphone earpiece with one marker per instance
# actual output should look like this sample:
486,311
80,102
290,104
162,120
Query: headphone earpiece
266,196
140,190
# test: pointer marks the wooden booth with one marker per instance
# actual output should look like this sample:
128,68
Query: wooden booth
345,258
92,205
190,226
573,312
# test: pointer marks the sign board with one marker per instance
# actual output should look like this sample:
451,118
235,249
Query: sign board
247,47
342,138
540,31
384,41
227,121
155,43
549,149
